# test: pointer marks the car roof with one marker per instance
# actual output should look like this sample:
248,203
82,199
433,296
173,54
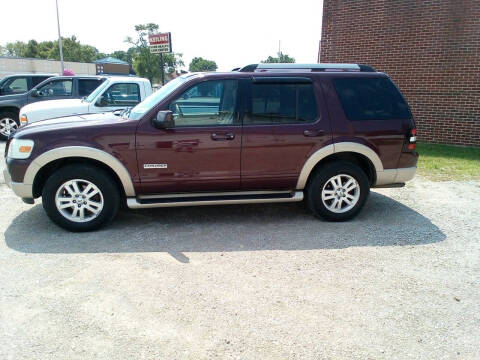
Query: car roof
31,75
122,78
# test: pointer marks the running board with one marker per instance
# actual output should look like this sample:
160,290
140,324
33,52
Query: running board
214,199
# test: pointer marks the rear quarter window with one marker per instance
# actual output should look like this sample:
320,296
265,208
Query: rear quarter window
371,99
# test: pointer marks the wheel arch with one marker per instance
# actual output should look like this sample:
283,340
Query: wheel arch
38,172
356,153
10,108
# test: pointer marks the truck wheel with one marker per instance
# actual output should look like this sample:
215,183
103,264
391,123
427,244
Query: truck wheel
80,197
8,123
337,191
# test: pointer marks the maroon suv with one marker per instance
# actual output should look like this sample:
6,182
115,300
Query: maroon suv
325,133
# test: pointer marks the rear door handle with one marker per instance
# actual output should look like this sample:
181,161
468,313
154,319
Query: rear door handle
313,133
224,136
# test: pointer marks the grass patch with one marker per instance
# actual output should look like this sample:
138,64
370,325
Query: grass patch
447,162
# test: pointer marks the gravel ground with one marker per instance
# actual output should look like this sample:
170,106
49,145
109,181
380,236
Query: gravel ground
401,281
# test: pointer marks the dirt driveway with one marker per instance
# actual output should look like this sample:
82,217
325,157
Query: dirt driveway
248,282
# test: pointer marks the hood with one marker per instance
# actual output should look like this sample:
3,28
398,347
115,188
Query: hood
54,108
69,124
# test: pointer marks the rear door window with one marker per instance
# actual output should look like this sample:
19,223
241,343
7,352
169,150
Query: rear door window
371,99
15,86
86,86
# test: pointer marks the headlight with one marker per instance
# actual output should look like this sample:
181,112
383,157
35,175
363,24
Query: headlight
20,149
23,119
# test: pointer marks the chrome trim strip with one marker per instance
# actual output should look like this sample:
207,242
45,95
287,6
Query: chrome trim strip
85,152
133,203
201,194
337,148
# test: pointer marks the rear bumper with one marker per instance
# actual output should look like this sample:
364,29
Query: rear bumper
20,189
395,176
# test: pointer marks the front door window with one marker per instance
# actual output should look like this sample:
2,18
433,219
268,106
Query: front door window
56,88
210,103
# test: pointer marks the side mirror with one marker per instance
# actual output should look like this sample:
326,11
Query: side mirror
35,93
164,120
101,102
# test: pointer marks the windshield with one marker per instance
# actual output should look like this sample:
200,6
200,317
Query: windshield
97,91
146,105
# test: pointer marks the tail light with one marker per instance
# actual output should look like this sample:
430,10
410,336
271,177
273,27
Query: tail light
410,141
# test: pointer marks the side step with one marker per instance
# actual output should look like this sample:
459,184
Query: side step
198,199
386,186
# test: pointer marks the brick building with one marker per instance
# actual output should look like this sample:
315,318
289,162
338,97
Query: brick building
430,48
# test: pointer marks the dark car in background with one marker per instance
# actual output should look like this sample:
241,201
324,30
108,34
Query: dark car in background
51,88
323,133
21,83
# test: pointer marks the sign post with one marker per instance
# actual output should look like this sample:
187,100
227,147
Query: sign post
159,44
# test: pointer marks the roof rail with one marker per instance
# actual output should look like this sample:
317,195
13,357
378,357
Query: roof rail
282,67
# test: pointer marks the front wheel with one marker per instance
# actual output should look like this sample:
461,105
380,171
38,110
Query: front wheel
80,197
337,191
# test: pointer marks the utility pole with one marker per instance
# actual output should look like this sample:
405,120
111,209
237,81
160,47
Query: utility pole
60,39
162,68
279,49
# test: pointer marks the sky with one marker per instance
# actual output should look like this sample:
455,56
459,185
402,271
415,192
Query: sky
232,33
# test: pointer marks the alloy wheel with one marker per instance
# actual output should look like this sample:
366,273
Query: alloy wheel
340,193
79,200
7,125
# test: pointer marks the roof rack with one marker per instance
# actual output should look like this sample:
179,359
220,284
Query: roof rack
285,67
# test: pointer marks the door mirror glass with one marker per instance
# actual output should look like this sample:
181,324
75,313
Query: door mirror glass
164,120
102,101
34,93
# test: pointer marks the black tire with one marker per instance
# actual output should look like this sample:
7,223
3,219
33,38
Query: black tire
8,115
319,181
101,179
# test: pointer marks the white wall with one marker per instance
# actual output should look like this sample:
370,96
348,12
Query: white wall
9,66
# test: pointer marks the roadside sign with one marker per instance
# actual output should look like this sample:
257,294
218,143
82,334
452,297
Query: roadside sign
160,43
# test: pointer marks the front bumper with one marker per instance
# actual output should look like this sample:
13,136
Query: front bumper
20,189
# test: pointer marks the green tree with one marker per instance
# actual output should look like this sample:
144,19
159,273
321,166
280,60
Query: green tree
145,63
125,55
282,58
73,50
15,49
199,64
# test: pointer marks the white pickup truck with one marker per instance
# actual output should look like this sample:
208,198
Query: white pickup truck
115,93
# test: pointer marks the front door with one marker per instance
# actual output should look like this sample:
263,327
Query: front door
284,121
202,151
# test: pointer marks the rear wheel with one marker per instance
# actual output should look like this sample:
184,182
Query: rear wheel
338,191
8,123
80,197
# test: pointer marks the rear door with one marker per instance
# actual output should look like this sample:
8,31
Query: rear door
52,90
87,85
283,122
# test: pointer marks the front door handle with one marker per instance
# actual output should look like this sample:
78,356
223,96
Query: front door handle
310,133
224,136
